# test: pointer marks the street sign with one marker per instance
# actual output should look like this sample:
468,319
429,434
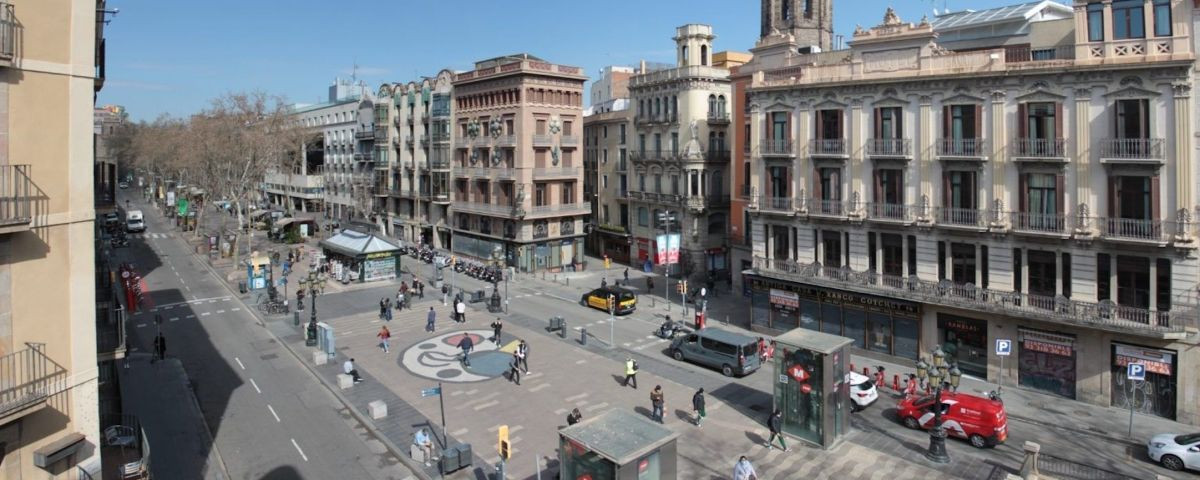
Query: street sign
1003,347
1136,371
431,392
503,445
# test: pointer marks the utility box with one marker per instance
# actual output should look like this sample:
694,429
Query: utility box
810,368
617,445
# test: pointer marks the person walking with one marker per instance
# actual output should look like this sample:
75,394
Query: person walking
382,307
657,403
630,373
514,373
429,319
384,337
420,288
387,310
603,282
461,309
400,300
466,344
743,470
775,424
698,405
626,276
523,349
160,346
649,284
496,327
445,294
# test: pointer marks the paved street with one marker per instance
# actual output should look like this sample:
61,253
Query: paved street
268,416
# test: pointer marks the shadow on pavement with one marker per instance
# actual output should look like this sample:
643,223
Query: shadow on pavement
282,473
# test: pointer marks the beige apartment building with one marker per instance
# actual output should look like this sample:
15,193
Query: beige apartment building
607,130
518,165
1025,173
412,165
51,64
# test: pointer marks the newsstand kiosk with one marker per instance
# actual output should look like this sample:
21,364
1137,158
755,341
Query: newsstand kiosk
809,389
616,445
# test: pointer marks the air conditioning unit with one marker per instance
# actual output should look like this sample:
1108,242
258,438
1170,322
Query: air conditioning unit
808,49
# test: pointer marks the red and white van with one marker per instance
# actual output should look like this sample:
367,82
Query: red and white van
980,420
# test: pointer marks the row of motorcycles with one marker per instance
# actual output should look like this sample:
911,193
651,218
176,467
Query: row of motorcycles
470,268
119,239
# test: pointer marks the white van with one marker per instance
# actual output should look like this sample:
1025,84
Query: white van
134,222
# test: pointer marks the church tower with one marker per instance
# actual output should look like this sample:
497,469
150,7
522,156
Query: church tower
809,22
693,45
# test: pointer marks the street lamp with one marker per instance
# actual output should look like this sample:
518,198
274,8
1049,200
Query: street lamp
922,371
313,284
955,377
937,434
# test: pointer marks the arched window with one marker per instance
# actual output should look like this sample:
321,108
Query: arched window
674,107
683,55
704,54
712,105
716,223
721,105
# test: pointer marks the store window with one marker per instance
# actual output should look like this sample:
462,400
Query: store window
964,340
1154,396
1046,362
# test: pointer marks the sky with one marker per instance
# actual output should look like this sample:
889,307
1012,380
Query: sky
173,56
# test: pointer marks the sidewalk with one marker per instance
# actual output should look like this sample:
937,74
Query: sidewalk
161,397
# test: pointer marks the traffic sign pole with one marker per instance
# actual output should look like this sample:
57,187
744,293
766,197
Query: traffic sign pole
442,407
1003,349
1136,373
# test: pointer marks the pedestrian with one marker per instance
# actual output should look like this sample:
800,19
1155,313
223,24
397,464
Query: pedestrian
420,288
461,309
698,405
911,387
382,308
775,424
626,275
403,286
880,377
523,349
631,372
496,327
387,310
743,470
160,346
421,440
399,300
603,282
466,344
657,403
574,417
762,349
429,319
349,369
514,373
649,284
445,294
384,336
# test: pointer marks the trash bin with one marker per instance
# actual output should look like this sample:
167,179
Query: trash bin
450,460
242,287
464,455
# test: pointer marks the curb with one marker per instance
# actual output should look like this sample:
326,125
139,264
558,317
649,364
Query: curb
224,471
416,470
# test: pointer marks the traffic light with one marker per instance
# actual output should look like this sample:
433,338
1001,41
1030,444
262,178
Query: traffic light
504,446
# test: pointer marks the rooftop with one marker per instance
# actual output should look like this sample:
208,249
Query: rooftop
972,18
619,435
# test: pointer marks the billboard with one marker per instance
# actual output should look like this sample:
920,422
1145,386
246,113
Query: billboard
667,249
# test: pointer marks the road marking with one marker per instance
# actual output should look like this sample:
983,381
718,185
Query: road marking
205,314
460,432
191,316
255,385
173,319
595,407
578,328
539,387
456,393
302,455
236,309
273,414
220,312
486,405
140,325
626,344
214,301
239,362
181,282
168,307
652,337
580,362
576,397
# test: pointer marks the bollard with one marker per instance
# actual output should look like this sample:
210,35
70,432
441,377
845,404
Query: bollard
866,372
296,318
652,302
896,382
726,319
851,366
568,280
556,278
583,336
562,332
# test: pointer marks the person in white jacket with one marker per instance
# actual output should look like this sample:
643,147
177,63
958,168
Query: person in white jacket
743,470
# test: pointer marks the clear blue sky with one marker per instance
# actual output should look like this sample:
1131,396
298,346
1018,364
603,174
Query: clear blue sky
170,56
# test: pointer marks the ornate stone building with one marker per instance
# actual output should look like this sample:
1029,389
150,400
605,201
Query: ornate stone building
1037,186
680,156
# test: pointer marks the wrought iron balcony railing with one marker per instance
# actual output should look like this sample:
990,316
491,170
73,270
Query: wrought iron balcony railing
1050,223
16,197
961,217
889,147
1039,147
28,378
775,147
827,146
961,147
1132,149
891,212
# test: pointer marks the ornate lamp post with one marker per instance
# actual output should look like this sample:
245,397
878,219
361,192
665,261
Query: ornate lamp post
313,284
922,371
937,434
955,377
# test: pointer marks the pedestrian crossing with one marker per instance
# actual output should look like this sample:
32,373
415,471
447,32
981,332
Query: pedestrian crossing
151,235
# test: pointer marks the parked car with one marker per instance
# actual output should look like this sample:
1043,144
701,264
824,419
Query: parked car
122,185
1175,452
733,353
598,298
111,219
862,390
980,420
134,222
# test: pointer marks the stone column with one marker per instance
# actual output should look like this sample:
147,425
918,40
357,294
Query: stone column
1082,162
924,154
998,140
799,173
854,144
757,172
1183,161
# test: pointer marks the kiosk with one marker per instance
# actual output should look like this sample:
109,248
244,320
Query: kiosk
809,389
617,445
362,257
258,269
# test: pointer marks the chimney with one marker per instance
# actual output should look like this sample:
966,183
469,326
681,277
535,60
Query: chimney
643,67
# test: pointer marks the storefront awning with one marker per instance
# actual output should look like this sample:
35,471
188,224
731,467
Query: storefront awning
354,244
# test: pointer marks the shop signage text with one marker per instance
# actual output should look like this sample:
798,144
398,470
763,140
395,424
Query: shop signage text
835,296
1051,348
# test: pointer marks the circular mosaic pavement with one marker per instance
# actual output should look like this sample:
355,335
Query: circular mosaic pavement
440,358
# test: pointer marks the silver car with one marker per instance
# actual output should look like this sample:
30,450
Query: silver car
1175,452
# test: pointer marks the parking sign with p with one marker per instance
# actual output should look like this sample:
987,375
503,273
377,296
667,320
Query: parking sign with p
1137,371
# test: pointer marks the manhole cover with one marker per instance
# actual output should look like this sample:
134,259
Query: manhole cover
269,356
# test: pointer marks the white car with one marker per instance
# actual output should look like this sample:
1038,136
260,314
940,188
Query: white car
862,390
1175,452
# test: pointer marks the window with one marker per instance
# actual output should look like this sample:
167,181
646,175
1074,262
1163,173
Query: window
887,123
1132,200
605,131
1133,120
1103,277
808,8
1095,22
1040,121
962,122
1043,274
961,190
1133,281
622,134
675,184
539,196
889,186
831,243
779,182
963,261
1128,21
643,216
779,127
1042,203
604,181
641,182
658,183
704,55
893,254
829,125
642,143
785,9
674,143
1164,285
830,185
624,212
1162,18
658,143
716,224
683,51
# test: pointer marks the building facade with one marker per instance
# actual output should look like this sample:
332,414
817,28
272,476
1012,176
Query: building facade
607,129
50,71
517,166
1036,187
412,171
680,156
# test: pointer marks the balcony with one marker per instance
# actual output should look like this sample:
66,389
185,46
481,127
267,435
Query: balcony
1039,149
484,208
785,205
1025,54
1142,322
557,172
891,213
1054,224
365,134
718,118
649,155
438,163
707,201
110,328
506,141
828,147
16,198
381,134
542,140
775,148
1132,150
831,208
889,148
8,34
1138,230
961,148
717,156
965,218
28,378
440,137
462,142
561,209
569,140
364,157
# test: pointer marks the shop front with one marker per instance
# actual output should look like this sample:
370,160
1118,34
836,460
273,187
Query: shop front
559,255
876,324
715,260
361,257
1154,396
645,258
964,340
1046,362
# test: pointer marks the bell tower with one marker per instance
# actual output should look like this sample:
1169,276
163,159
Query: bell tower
808,22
